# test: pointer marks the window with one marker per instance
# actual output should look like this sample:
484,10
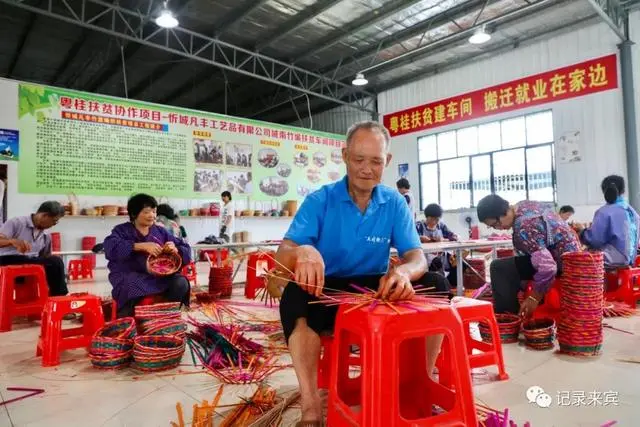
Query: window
513,158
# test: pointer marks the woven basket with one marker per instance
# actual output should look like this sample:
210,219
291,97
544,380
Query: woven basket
114,337
221,281
110,210
509,326
163,306
539,334
112,360
165,327
158,352
164,264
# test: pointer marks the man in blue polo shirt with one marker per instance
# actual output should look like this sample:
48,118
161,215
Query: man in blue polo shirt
343,234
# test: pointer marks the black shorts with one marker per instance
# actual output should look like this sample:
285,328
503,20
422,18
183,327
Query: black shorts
294,303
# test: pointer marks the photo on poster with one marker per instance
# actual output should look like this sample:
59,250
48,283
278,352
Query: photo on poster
268,158
319,159
9,144
239,182
313,174
207,180
334,175
284,170
403,170
207,151
301,159
274,186
239,155
336,157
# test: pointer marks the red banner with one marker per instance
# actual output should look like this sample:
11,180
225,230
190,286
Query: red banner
596,75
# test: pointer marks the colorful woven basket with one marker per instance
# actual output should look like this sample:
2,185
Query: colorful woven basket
164,264
539,334
165,327
580,325
162,311
157,352
114,337
221,280
116,360
509,326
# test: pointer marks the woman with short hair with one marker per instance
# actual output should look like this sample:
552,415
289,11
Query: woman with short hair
127,249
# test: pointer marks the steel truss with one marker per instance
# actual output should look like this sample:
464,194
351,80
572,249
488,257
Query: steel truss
613,14
117,21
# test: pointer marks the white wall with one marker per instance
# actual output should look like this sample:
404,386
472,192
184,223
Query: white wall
598,117
73,229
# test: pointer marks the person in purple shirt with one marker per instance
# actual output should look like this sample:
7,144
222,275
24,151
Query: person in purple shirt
540,237
127,249
615,228
23,240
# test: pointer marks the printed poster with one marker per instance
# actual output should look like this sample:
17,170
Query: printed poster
403,170
568,147
9,144
90,144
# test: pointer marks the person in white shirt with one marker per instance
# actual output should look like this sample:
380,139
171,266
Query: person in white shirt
227,217
404,188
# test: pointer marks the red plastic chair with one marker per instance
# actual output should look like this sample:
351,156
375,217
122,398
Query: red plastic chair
394,388
191,273
80,269
324,364
26,299
53,339
489,354
254,280
213,255
624,285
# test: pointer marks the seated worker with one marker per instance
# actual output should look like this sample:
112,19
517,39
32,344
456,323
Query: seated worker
343,234
566,212
540,237
127,249
432,229
615,228
166,217
404,188
23,240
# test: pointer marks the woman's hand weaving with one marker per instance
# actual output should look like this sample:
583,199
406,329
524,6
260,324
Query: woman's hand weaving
170,247
149,247
309,270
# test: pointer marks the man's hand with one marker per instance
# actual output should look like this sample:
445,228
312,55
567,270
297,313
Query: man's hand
22,246
425,239
149,247
528,306
309,269
395,285
170,247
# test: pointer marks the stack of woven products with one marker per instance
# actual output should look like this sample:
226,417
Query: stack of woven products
508,325
221,280
580,325
112,345
161,343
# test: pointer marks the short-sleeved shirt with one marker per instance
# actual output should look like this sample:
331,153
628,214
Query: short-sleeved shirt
22,228
353,243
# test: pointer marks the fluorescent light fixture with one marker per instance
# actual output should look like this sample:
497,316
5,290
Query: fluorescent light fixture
166,18
359,80
480,36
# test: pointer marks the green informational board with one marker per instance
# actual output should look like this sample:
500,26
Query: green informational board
75,142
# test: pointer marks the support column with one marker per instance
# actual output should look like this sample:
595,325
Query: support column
630,125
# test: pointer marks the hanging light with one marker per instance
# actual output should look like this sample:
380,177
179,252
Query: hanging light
481,36
359,80
166,18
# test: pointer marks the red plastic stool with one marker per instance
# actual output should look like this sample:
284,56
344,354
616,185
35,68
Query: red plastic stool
473,310
191,273
550,306
80,269
394,388
26,299
624,285
255,281
213,255
53,339
324,364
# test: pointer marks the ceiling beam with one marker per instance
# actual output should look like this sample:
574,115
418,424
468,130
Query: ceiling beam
427,49
365,21
237,14
300,19
612,14
456,12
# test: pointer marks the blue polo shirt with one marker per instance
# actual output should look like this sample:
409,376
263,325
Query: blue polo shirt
350,242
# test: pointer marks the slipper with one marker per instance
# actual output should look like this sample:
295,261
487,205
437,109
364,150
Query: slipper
309,424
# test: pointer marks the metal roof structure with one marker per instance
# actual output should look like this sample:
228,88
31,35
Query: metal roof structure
268,59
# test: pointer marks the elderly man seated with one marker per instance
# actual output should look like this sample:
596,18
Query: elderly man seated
23,240
343,234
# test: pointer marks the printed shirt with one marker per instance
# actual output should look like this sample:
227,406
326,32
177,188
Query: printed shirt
353,243
539,231
170,225
22,228
228,211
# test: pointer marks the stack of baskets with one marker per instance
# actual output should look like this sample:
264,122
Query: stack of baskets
112,345
161,343
580,324
509,326
221,280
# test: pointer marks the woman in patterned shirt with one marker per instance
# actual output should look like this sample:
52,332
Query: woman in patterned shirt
540,237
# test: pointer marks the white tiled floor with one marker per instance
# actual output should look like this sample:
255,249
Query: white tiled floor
78,395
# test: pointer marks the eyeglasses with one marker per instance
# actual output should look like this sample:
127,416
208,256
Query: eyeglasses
495,225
